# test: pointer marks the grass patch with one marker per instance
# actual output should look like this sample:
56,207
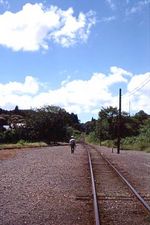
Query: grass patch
91,138
10,150
136,146
147,150
23,144
108,143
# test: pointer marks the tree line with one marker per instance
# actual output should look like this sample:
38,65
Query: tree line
48,124
53,124
134,129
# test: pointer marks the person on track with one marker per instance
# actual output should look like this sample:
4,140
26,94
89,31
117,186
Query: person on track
72,143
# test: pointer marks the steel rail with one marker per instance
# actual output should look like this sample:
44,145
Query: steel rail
128,184
95,201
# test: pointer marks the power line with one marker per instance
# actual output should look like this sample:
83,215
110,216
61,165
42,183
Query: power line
128,94
139,87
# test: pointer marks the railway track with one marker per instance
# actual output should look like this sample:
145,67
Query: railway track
115,201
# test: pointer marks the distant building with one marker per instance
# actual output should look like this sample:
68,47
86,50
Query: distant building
17,125
7,127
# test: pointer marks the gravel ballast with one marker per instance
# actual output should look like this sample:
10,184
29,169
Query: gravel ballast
134,165
51,186
45,186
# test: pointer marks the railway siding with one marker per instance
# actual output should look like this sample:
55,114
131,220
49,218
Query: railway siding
116,200
134,165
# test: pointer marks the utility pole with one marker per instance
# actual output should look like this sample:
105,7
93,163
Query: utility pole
100,127
129,107
119,123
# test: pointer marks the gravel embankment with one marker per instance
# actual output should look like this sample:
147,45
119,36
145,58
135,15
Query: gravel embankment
43,186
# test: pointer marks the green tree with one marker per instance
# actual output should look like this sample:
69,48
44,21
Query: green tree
49,124
107,123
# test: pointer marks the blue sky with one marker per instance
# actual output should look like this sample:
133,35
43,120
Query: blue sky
75,54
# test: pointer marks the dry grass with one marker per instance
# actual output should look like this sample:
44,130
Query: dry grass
10,150
22,145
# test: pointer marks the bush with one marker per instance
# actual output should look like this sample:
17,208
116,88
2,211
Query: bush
8,136
108,143
21,142
91,138
136,143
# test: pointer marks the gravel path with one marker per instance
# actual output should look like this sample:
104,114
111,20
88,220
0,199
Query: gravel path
43,186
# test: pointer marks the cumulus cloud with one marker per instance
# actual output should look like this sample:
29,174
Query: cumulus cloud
139,83
138,90
20,88
35,26
81,96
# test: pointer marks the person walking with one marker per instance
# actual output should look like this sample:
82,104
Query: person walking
72,143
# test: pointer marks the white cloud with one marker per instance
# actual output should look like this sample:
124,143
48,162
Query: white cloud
138,91
65,81
34,27
81,96
111,4
139,83
16,88
107,19
138,7
74,29
118,75
4,3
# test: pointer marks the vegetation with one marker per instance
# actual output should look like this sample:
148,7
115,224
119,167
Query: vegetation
23,144
49,124
135,130
141,141
52,124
